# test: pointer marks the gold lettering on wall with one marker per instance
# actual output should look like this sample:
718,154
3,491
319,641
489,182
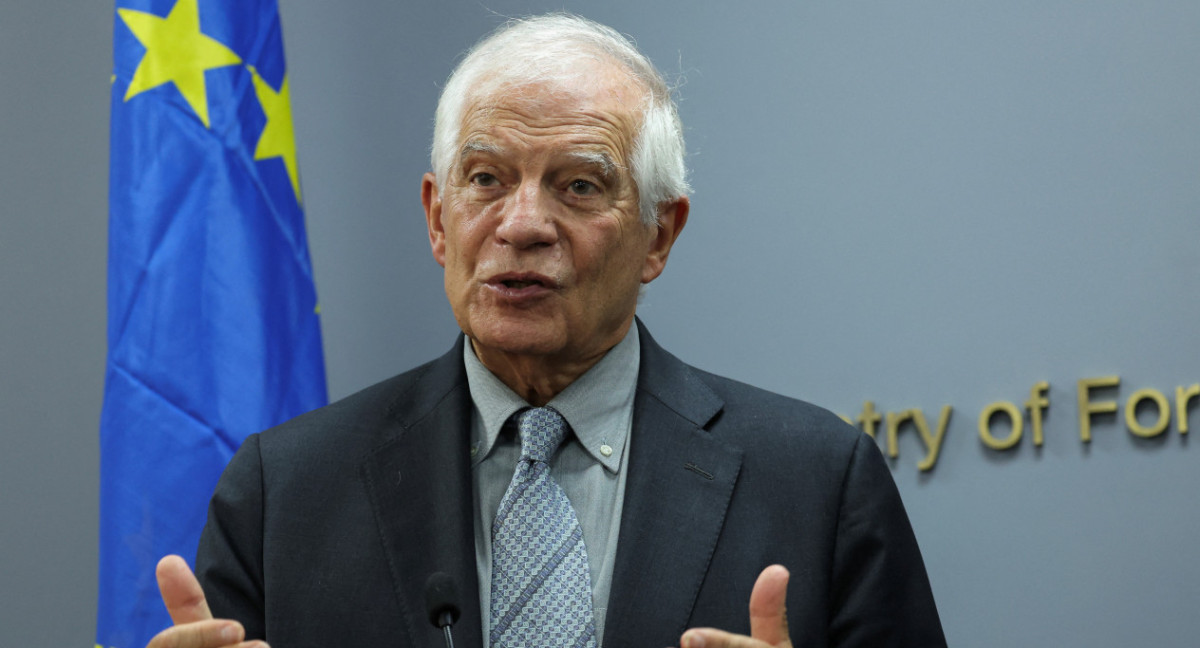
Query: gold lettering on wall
933,442
1038,402
1014,419
1160,402
870,418
1090,404
894,419
932,439
1087,407
1182,398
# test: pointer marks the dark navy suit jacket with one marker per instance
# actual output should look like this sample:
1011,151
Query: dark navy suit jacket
323,531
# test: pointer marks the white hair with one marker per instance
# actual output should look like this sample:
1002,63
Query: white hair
550,48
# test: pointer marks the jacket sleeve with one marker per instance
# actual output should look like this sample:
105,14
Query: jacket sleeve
881,594
229,561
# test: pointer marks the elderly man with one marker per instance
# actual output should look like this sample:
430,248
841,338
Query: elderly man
582,486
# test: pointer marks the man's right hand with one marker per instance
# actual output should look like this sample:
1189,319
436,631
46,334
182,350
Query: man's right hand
768,618
194,626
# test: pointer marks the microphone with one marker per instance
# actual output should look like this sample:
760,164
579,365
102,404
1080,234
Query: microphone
441,600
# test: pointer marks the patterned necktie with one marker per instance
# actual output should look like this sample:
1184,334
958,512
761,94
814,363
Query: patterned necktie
541,586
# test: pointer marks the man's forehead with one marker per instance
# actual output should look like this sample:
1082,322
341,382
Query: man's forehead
605,91
553,103
589,127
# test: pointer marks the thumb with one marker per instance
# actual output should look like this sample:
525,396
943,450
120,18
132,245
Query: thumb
768,613
181,591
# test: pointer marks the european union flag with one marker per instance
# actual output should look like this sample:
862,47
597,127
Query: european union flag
213,331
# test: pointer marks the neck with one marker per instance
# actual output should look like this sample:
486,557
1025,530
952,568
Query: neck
536,379
539,378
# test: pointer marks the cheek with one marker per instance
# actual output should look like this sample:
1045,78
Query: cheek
629,252
462,226
460,243
617,264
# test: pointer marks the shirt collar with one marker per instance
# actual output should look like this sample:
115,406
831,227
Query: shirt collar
598,405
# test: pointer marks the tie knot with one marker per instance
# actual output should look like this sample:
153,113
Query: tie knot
542,430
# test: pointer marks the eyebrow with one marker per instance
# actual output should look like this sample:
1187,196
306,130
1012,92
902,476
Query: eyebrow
471,147
597,158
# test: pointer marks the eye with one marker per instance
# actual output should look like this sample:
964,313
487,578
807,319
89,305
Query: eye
583,188
484,180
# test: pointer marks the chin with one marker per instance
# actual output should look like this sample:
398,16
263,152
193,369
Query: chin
520,337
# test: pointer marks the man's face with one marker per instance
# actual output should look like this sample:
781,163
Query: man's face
537,225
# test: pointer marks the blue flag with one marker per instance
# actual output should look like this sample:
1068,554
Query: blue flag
213,329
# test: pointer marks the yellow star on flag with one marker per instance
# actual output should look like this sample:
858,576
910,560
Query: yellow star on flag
277,138
176,52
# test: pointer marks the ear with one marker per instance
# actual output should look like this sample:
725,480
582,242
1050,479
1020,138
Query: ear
672,216
433,217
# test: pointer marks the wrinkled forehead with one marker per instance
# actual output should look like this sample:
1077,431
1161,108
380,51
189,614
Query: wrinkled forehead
590,95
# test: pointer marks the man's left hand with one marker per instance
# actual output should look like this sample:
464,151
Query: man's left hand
768,618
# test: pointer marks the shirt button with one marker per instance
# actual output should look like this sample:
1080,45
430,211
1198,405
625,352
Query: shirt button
606,450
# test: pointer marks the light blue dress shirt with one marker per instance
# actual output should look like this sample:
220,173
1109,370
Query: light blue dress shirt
590,465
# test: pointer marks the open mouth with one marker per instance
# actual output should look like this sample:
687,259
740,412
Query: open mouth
520,283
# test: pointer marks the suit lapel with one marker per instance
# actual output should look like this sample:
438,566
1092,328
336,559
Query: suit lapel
419,482
678,489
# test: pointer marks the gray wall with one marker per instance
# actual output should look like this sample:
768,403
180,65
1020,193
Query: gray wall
919,204
54,70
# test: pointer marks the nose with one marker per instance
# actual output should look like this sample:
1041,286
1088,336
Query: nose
526,218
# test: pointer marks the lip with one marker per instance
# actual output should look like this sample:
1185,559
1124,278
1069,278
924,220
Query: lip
530,285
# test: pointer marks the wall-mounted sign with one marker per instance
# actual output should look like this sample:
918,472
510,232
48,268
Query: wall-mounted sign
1144,405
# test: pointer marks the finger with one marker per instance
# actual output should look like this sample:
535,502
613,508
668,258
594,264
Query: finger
768,610
713,638
203,634
181,592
